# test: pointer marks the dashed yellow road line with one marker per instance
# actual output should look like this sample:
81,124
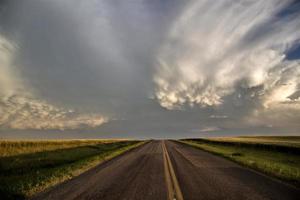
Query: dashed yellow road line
174,192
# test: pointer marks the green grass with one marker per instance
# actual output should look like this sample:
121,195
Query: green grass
281,161
24,174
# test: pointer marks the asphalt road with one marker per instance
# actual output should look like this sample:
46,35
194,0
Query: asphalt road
158,169
202,175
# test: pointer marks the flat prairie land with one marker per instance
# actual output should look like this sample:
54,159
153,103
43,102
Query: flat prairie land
171,170
11,148
278,156
28,167
293,141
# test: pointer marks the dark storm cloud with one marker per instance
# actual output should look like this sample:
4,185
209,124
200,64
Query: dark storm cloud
96,53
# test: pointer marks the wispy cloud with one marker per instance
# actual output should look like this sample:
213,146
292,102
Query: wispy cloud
207,129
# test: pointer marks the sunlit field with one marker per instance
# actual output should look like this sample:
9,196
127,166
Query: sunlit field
10,148
276,156
28,167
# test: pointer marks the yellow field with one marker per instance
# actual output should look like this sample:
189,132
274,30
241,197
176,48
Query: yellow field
11,148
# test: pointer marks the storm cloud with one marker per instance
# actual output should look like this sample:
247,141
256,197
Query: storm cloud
149,68
20,109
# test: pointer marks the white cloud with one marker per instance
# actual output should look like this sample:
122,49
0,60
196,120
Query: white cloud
213,47
207,129
23,112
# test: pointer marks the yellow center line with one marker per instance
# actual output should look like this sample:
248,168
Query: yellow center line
174,192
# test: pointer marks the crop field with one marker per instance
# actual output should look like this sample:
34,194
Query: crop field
276,156
28,167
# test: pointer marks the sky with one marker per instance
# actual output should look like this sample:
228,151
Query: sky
149,69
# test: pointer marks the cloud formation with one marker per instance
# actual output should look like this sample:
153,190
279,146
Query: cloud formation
22,112
215,48
144,68
20,109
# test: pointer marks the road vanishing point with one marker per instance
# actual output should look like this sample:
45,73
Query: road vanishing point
169,170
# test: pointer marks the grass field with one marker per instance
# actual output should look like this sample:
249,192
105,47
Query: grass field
289,141
28,167
11,148
276,156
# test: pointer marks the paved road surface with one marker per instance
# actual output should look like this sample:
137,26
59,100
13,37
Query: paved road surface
202,175
145,173
138,174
